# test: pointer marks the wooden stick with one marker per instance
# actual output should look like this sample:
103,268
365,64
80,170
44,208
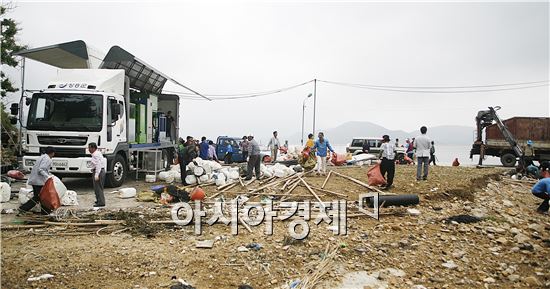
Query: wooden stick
224,186
23,227
286,184
290,190
330,192
96,223
241,182
229,187
245,225
326,179
267,180
358,182
311,191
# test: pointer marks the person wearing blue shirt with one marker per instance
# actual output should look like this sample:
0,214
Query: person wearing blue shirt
542,190
203,149
228,153
321,145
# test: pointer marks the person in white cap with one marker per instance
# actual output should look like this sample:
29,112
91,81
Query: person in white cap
253,158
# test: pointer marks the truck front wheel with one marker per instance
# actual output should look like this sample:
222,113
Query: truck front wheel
508,160
118,172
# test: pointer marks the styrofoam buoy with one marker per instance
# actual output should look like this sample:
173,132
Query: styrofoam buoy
163,176
198,171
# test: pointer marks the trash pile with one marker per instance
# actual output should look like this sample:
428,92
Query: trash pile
293,153
201,172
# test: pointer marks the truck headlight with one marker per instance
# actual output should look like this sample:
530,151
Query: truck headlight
29,163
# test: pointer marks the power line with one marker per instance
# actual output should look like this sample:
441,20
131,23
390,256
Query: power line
436,87
241,95
430,91
403,89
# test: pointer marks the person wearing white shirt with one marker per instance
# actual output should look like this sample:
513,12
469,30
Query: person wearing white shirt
39,175
387,165
422,144
274,145
98,171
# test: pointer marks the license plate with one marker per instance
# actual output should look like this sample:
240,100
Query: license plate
60,163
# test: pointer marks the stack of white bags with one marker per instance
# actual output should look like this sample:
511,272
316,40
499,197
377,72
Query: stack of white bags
201,171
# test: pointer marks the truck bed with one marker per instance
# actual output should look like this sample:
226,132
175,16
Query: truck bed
536,129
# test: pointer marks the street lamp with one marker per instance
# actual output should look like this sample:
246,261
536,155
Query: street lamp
303,114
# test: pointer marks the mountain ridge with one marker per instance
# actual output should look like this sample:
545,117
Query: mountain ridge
343,134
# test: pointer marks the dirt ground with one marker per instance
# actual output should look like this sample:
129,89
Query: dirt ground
507,248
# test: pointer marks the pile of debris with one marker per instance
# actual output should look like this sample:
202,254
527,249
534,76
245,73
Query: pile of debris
201,172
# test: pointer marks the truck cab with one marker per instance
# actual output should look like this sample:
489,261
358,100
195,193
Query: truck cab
114,100
69,115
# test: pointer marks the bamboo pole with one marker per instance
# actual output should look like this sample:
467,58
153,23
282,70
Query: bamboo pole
358,182
330,192
22,227
326,179
311,191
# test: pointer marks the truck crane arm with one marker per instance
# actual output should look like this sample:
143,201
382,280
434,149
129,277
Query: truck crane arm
485,118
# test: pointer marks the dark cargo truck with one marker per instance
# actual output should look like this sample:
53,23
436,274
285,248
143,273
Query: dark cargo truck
523,129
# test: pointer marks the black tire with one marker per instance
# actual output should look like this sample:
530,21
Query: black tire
118,171
508,160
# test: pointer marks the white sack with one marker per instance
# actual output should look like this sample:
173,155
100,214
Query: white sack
69,199
5,189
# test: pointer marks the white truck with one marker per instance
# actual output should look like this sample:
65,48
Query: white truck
115,101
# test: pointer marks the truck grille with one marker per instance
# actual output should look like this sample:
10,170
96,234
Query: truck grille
67,152
63,140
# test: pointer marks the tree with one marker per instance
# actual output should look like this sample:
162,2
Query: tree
9,46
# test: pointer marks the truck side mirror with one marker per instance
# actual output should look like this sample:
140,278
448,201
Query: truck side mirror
14,109
116,109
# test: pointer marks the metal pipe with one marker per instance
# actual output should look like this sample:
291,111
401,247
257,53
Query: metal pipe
303,115
314,102
394,200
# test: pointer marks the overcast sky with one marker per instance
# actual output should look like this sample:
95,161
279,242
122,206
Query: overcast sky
221,48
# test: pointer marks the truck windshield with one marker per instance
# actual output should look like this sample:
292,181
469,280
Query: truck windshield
66,111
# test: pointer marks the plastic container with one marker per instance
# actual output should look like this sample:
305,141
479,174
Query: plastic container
69,199
127,193
150,178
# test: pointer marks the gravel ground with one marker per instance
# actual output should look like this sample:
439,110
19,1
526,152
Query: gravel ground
507,248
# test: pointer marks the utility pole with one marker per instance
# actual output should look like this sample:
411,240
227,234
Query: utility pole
21,103
303,115
314,103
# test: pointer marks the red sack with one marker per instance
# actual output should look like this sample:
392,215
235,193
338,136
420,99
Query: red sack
305,153
15,174
48,196
375,176
456,163
338,159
